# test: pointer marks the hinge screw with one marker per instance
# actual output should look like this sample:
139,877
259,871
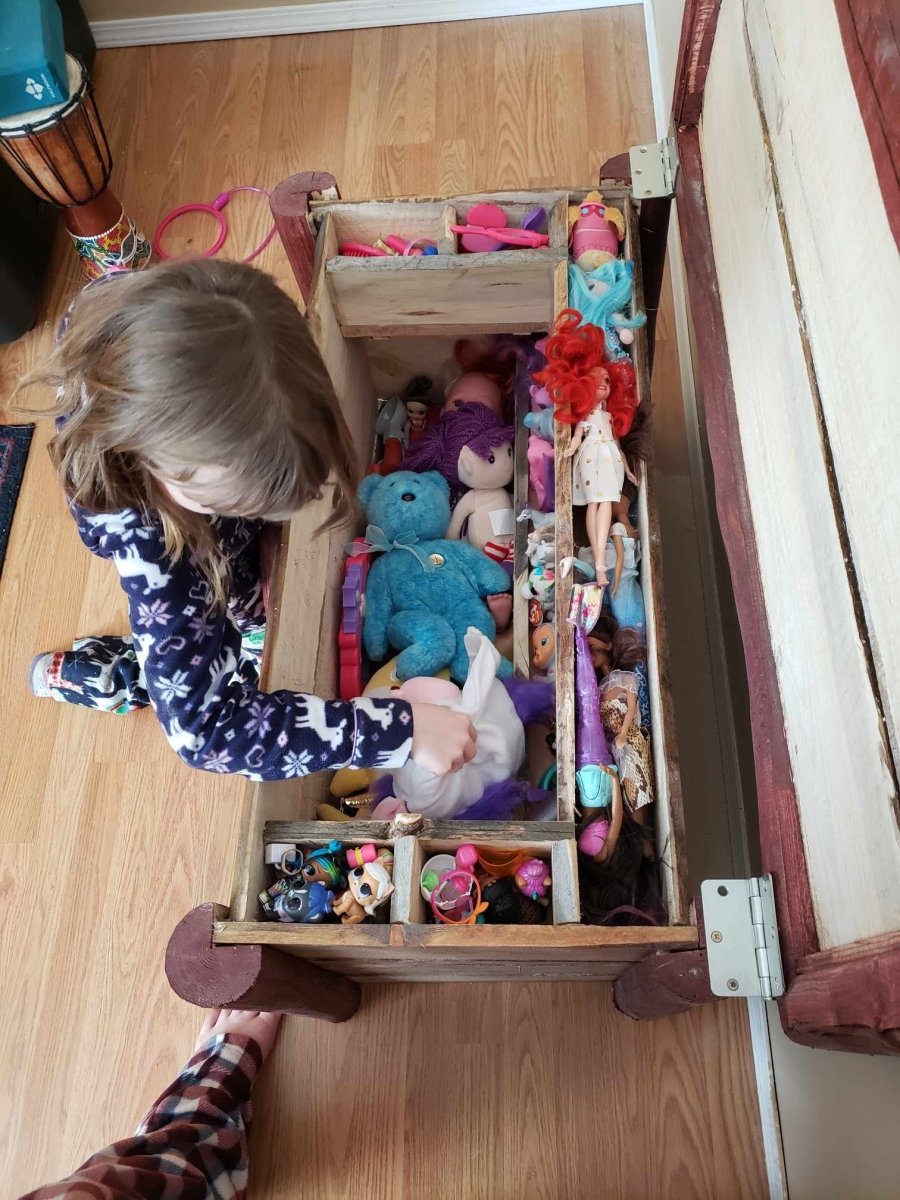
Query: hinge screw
732,985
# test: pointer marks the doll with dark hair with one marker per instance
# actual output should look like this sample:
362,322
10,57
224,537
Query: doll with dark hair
625,888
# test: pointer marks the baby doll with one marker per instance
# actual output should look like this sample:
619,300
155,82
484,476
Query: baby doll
473,388
599,398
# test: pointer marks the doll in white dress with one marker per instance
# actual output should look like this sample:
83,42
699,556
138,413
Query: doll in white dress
599,399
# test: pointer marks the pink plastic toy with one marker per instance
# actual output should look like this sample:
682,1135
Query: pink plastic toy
595,233
350,653
486,229
506,237
361,250
533,878
360,855
466,857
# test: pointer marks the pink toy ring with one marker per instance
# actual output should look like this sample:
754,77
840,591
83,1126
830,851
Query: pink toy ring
180,212
214,210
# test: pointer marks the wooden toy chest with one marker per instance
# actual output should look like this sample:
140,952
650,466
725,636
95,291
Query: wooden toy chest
375,323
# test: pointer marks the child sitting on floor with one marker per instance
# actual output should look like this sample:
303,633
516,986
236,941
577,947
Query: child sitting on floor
192,409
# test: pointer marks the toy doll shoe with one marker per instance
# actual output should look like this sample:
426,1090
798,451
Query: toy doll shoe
567,564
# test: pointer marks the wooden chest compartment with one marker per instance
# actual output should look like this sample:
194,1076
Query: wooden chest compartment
375,323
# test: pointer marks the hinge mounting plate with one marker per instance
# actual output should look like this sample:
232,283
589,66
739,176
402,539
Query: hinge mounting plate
653,169
742,950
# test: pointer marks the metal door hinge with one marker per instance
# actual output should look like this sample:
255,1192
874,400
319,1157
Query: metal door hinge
742,950
653,169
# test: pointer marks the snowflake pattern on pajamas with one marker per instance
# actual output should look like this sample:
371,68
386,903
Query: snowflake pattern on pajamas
202,679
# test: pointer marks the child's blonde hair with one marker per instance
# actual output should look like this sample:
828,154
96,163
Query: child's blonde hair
187,365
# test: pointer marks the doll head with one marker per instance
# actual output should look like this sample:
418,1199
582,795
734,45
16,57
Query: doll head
579,377
370,884
473,388
543,646
479,472
475,428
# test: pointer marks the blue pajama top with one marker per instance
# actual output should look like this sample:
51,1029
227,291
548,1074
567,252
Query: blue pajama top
202,683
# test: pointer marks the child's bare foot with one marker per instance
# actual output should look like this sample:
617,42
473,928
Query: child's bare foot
261,1026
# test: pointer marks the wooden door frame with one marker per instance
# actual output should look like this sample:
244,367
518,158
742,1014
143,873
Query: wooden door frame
846,998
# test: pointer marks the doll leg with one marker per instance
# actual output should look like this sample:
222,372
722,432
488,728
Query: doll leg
599,520
426,640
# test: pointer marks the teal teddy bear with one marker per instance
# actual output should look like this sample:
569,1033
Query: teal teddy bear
424,591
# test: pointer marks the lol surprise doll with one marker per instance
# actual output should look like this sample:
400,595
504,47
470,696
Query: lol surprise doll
599,399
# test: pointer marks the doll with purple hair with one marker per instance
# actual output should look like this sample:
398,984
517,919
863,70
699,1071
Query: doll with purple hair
473,449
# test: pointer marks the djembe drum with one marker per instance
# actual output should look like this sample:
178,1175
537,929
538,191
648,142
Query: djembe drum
62,154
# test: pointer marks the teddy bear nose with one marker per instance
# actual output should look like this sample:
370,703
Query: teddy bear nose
407,496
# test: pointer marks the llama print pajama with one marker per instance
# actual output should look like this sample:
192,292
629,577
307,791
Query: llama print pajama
198,666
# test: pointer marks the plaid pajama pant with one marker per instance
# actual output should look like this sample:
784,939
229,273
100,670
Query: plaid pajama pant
191,1145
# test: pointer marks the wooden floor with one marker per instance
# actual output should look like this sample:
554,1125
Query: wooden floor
106,839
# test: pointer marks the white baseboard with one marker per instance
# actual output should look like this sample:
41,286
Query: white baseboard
320,16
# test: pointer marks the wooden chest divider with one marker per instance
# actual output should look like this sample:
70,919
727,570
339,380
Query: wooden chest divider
375,323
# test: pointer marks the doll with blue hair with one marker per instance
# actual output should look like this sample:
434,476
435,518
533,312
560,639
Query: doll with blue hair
603,297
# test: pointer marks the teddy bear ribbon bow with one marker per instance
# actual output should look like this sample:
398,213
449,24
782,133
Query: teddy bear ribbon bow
377,540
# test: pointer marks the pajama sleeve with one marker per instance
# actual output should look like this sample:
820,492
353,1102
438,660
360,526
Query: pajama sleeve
207,700
191,1145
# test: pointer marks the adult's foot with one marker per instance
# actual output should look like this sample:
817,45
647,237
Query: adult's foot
261,1026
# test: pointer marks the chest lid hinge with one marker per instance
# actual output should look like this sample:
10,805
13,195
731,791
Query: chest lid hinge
653,169
742,950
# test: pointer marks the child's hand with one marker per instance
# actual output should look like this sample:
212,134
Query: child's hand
443,740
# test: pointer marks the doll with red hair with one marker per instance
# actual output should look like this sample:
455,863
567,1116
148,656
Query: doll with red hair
599,398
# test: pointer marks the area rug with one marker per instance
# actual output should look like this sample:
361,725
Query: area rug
14,443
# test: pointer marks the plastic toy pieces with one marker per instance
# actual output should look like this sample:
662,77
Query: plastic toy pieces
390,246
350,633
486,229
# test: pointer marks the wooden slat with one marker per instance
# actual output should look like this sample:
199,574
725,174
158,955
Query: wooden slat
506,292
564,869
407,902
668,814
541,940
844,789
521,631
859,443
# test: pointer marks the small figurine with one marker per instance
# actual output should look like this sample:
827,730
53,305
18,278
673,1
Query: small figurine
599,398
541,472
533,879
322,866
298,903
595,231
543,650
368,887
416,397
